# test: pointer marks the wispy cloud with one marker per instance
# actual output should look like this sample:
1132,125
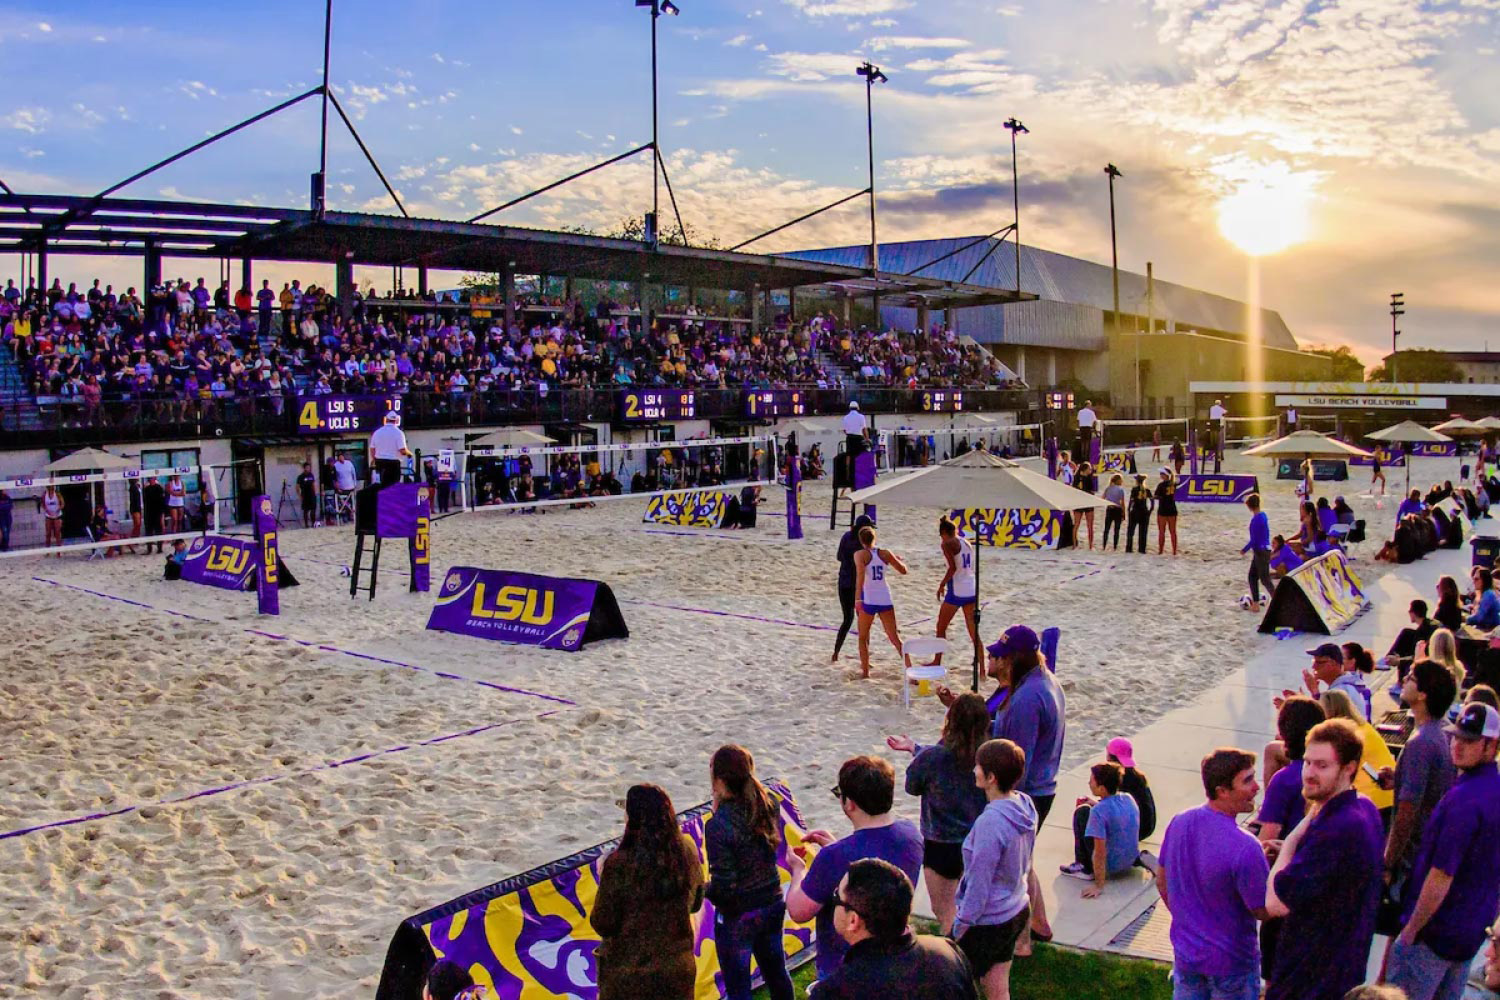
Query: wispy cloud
847,8
29,120
737,41
884,42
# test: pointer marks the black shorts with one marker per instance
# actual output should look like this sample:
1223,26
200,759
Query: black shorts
989,945
946,860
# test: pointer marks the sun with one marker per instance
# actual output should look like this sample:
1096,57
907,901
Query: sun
1268,211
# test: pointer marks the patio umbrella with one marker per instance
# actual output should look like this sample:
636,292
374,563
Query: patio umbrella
977,479
1489,423
511,437
1307,444
1460,427
89,460
1406,434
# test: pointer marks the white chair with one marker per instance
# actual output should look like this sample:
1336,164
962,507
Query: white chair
921,676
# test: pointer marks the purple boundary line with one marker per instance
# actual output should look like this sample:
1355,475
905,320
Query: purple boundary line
266,780
732,614
277,637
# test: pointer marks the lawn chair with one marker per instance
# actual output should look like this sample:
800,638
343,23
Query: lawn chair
921,676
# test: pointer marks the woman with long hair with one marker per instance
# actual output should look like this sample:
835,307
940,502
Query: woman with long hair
959,588
1450,610
52,512
741,838
649,889
942,776
1338,705
1443,647
1088,482
873,594
1166,512
176,502
848,593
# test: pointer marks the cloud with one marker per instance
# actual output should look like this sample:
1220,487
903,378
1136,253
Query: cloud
737,41
196,89
810,66
847,8
884,42
30,120
43,27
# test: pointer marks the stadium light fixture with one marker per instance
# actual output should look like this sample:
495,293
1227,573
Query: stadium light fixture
872,75
1014,126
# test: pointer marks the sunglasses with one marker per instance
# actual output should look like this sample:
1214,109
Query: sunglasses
837,792
838,900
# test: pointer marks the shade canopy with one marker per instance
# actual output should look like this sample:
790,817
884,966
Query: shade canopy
1460,427
1306,444
1408,432
811,425
980,480
1489,423
91,460
511,437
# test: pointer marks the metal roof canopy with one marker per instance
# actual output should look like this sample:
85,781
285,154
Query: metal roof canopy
123,226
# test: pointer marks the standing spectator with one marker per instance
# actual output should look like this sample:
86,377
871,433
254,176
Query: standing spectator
866,791
942,776
741,838
1086,420
1283,806
307,492
1106,831
872,907
177,498
1166,511
1424,772
1138,516
649,889
52,505
7,511
1326,879
1259,547
1213,881
992,907
1456,880
1114,514
154,504
265,301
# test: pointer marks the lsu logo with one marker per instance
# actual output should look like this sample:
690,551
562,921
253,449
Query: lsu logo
1210,487
227,559
268,543
422,539
513,604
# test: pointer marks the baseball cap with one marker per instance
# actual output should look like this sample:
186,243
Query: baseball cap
1164,471
1120,749
853,404
1016,639
1477,721
393,418
1328,649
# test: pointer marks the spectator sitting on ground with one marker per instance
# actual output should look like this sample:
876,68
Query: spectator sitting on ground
1120,751
872,906
1330,670
1486,614
1106,831
1404,649
450,981
1284,558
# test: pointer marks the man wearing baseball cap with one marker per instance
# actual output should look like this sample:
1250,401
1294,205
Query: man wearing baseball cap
855,424
1456,879
387,449
1327,671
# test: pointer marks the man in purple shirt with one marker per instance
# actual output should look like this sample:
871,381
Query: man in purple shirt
1259,547
1326,880
1213,880
1456,880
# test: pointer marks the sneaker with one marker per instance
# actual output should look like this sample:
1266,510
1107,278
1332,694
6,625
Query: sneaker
1076,870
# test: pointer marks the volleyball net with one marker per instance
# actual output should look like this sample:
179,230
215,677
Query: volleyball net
1250,431
913,447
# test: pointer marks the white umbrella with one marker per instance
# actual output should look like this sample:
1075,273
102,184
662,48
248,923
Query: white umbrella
1459,426
1408,433
977,480
511,437
89,460
1307,444
1489,423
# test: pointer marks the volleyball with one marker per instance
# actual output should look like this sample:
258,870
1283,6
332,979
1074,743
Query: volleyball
1246,602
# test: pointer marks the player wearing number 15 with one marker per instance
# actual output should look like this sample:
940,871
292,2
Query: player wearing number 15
873,594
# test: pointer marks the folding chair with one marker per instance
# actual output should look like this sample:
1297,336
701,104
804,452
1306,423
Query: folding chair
922,676
94,553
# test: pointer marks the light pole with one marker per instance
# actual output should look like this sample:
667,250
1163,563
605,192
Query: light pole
1112,171
1015,127
1398,308
658,8
872,75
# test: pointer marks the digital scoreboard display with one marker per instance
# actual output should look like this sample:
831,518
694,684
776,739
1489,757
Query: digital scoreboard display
639,406
1059,400
942,401
776,403
344,414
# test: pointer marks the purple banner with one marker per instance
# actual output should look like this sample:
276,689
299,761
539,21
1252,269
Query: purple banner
514,607
1390,456
420,545
1436,449
794,498
218,561
267,583
1209,488
864,475
404,510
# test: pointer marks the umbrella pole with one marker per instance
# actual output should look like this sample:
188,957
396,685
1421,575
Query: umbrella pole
978,610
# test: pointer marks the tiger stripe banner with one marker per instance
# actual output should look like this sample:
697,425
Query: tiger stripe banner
529,937
1012,529
688,510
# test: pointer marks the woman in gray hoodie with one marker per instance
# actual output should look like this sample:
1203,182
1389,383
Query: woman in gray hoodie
993,910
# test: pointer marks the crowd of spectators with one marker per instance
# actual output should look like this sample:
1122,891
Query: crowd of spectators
181,350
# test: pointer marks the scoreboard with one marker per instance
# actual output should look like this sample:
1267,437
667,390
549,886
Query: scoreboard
1059,400
344,414
942,401
640,406
776,403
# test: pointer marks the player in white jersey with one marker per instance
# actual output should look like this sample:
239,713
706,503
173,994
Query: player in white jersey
873,594
959,587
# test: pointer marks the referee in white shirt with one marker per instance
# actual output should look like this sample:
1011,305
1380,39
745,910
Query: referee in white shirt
855,424
387,449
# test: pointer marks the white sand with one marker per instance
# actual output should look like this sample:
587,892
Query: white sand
293,887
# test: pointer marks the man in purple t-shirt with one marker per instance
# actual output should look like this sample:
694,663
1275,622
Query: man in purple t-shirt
1456,881
1326,880
867,790
1213,880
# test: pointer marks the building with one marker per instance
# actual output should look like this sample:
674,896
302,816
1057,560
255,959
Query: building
1474,367
1169,333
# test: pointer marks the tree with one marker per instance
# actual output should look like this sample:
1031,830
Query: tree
1420,364
1346,367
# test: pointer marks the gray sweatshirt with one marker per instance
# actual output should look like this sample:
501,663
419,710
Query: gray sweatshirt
997,858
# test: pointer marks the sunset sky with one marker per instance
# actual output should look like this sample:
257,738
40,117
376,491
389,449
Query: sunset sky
1358,140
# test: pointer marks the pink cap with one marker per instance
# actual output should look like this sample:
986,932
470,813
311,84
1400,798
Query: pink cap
1120,749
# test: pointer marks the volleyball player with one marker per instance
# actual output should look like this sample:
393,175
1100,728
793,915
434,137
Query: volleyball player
873,594
1377,474
958,588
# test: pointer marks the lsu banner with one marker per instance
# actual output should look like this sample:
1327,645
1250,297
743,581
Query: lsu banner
1209,488
1389,455
1122,462
864,477
1322,595
404,510
1436,449
1011,529
220,561
529,936
794,498
688,510
267,587
544,611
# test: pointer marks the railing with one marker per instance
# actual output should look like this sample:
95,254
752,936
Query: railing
78,424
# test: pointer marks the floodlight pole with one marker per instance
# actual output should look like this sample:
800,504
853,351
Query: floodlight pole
1398,308
323,145
655,132
1112,172
1015,127
872,73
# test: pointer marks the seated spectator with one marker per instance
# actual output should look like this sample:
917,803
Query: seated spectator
1106,831
175,559
1450,612
1411,506
1486,613
450,981
1404,649
1443,647
1120,751
1284,558
866,790
1331,669
872,906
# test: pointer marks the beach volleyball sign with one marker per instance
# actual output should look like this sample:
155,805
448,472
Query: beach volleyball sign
529,936
1322,595
234,563
1209,488
551,612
